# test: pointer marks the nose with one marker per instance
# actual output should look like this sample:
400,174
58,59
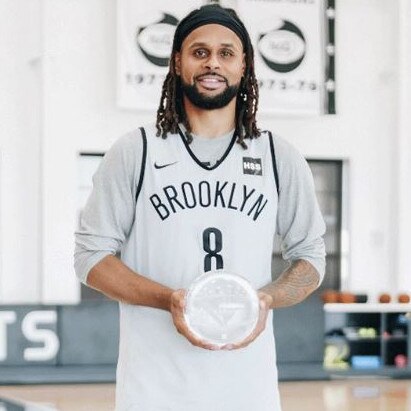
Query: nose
212,63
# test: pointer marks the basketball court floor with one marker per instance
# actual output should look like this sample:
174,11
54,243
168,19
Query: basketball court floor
337,395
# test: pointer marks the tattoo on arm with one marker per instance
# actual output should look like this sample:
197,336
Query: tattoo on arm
294,284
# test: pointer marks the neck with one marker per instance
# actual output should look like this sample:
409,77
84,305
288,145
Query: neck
210,123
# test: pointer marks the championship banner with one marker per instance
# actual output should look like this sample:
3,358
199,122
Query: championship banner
292,54
145,33
293,46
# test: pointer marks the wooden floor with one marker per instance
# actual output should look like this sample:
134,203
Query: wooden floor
341,395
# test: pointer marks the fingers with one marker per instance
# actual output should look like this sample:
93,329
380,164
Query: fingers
177,311
265,304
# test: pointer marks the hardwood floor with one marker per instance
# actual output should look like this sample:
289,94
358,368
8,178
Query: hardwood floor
347,395
99,397
339,395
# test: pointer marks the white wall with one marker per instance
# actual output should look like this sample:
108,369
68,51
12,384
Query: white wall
20,134
81,115
73,89
403,160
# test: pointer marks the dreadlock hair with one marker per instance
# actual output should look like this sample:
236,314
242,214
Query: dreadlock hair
171,110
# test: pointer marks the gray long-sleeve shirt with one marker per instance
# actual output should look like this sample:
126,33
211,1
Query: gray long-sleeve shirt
109,213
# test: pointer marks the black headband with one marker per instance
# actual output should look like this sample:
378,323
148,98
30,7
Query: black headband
210,14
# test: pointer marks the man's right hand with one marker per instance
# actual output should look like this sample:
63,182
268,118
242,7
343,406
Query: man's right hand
177,306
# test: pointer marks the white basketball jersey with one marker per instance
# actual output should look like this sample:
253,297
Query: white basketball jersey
191,218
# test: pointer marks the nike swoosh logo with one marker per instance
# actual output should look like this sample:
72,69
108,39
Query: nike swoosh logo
157,166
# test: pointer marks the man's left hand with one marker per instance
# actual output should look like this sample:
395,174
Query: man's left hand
265,305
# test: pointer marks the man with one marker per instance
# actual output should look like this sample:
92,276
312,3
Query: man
208,192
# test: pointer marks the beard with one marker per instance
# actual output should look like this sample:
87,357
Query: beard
209,102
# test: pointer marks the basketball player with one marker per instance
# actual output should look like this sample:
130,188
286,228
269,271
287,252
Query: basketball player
202,189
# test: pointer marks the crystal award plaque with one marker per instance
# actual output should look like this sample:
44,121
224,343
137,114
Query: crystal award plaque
221,308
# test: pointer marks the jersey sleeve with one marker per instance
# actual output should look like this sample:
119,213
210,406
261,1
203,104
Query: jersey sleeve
108,215
300,224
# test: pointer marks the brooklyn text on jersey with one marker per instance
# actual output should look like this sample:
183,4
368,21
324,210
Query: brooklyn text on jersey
208,194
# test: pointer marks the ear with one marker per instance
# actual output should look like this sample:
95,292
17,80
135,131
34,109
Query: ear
177,63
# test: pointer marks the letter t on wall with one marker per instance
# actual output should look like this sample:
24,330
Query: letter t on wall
6,318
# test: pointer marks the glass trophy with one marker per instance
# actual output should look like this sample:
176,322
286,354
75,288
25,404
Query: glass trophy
221,308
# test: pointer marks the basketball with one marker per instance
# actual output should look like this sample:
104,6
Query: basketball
329,296
385,298
346,298
403,298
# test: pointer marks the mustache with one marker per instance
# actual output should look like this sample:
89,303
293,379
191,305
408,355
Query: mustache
212,74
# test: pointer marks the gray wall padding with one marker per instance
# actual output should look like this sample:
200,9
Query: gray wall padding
89,333
299,331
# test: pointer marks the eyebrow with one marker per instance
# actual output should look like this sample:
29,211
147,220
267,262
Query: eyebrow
203,44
